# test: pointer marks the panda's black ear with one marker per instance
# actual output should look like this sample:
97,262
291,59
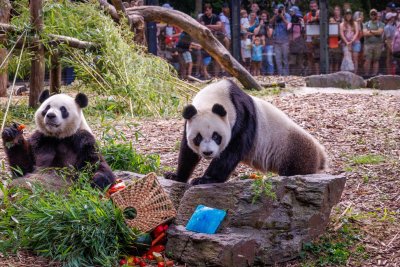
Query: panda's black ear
189,111
219,110
82,100
43,96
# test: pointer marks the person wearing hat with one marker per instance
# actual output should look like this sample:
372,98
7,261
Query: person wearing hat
313,42
373,43
281,23
388,35
297,45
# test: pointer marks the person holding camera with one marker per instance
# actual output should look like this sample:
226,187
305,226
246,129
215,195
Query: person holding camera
281,22
265,31
297,45
312,42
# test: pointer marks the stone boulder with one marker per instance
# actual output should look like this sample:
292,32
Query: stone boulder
341,79
255,233
384,82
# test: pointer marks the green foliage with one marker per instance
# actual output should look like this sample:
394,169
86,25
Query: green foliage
262,186
18,112
334,248
122,156
79,226
367,159
144,84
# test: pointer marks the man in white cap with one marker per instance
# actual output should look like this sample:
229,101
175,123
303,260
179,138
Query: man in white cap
388,35
373,43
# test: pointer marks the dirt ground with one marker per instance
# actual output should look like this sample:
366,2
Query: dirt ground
361,133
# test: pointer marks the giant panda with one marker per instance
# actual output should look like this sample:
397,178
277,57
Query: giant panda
227,126
62,139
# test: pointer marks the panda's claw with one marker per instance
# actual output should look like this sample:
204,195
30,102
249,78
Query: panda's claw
203,180
171,176
102,180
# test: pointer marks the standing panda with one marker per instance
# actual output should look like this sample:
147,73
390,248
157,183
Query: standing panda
62,139
227,126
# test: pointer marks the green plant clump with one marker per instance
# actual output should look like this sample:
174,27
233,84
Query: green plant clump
368,159
79,227
145,84
334,249
121,155
262,186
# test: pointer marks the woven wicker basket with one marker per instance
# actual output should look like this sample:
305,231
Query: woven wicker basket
153,206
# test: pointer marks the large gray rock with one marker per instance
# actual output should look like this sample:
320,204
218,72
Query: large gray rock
384,82
341,79
255,234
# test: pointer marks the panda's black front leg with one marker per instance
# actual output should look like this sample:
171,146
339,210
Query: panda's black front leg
187,161
220,168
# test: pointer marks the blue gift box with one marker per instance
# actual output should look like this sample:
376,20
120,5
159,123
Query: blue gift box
205,220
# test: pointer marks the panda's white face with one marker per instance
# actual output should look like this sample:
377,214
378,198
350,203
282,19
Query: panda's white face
59,116
208,134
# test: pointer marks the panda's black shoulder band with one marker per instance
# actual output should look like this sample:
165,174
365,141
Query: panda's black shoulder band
82,100
189,111
219,110
43,96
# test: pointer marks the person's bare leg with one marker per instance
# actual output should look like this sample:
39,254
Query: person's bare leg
355,61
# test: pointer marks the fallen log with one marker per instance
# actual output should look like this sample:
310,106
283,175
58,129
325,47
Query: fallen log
202,35
72,42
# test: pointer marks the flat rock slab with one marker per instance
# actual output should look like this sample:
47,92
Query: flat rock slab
384,82
265,231
341,79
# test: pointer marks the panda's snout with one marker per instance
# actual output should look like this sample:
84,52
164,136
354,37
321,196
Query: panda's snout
51,116
207,153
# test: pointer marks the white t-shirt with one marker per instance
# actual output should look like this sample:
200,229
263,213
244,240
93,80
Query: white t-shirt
225,20
244,23
246,48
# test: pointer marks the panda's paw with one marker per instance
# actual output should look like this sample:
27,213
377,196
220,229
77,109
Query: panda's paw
10,133
102,180
171,176
203,180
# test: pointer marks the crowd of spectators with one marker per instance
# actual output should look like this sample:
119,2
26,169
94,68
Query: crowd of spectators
283,41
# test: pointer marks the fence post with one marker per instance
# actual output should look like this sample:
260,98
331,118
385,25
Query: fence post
37,63
235,28
324,35
151,30
55,72
5,8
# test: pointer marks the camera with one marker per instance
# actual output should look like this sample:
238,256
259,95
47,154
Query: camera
280,10
313,12
295,19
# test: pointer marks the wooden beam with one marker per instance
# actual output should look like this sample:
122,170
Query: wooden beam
119,6
37,67
55,73
4,26
202,35
5,8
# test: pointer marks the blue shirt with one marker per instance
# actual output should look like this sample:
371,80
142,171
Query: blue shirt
281,34
256,53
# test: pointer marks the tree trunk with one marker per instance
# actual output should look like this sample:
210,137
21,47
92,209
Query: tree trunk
37,67
5,8
55,73
202,35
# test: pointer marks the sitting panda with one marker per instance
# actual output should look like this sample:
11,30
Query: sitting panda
62,139
227,126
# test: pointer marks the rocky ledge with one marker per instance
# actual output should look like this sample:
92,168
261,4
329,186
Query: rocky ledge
256,231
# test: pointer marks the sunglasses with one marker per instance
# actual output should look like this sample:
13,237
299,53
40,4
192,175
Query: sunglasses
374,15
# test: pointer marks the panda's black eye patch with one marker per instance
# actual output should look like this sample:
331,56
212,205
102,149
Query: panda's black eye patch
197,140
64,112
45,110
217,138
